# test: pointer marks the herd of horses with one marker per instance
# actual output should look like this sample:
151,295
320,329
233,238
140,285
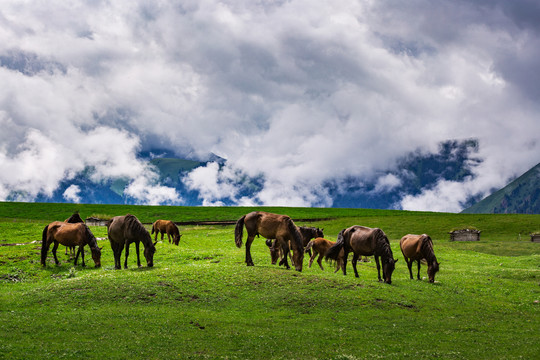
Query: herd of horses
283,238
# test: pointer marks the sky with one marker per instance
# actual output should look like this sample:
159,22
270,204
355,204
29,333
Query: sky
298,92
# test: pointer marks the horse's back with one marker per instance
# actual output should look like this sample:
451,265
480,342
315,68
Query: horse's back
69,234
363,239
410,245
115,229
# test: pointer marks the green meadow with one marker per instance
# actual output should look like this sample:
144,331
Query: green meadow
200,301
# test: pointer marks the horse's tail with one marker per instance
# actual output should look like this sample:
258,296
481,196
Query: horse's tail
297,236
44,245
239,231
153,228
309,246
333,251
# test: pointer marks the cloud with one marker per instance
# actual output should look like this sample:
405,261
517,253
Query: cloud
72,194
295,92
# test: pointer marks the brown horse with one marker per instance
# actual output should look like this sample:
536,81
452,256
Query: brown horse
362,240
271,226
68,234
166,227
75,218
419,247
320,246
122,231
308,233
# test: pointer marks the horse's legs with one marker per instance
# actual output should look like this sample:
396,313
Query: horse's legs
418,276
138,255
127,254
169,237
409,265
285,247
345,256
354,261
117,250
311,258
81,250
55,246
378,268
249,260
319,259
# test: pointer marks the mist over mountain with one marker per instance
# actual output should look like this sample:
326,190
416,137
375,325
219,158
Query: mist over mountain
412,174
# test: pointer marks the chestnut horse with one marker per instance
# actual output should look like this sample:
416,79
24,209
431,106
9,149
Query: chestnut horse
418,247
271,226
122,231
69,234
362,240
75,218
320,246
166,227
308,233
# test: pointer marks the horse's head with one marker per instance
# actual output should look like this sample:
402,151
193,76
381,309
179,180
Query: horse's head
274,252
96,255
298,259
149,252
319,233
177,239
432,269
388,268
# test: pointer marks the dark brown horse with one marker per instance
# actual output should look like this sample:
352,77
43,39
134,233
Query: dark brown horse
271,226
166,227
68,234
122,231
73,219
417,248
320,246
308,233
365,241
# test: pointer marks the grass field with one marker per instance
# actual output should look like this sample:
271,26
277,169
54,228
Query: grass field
200,301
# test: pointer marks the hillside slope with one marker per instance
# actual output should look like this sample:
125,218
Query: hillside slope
521,196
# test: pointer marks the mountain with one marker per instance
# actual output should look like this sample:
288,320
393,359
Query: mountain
521,196
413,173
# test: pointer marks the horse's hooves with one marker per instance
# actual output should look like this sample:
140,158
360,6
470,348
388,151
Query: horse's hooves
250,264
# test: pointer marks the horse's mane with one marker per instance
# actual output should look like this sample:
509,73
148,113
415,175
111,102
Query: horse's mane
382,244
297,235
75,218
90,238
134,226
427,248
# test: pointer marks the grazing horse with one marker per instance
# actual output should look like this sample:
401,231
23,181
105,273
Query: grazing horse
308,233
320,246
122,231
418,247
362,240
166,227
271,226
75,218
69,234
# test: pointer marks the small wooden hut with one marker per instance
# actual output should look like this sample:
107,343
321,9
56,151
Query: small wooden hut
535,237
465,235
92,221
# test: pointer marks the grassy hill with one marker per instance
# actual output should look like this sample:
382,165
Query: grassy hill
200,301
521,196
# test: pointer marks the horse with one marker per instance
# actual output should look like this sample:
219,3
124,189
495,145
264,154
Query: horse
166,227
419,247
122,231
69,234
320,246
75,218
362,240
308,233
271,226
